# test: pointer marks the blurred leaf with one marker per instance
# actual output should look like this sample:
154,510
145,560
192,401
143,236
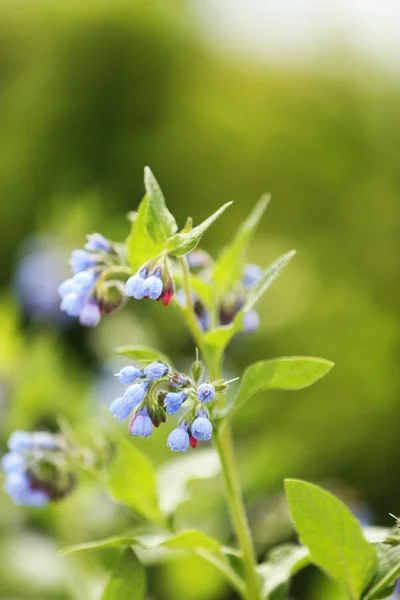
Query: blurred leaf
192,540
286,373
127,580
175,476
112,542
267,279
283,562
387,574
202,289
161,223
217,339
142,353
183,243
132,481
230,264
333,535
142,246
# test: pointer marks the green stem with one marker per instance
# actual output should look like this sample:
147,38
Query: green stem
224,445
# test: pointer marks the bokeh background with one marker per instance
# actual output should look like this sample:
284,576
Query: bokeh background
224,100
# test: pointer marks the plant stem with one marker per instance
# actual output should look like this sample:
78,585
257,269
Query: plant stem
224,445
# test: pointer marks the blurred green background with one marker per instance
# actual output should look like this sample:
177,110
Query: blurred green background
92,91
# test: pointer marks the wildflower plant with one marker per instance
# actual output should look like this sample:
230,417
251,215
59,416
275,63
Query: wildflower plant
217,300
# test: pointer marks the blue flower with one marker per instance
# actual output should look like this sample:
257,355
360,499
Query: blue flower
135,393
73,304
152,287
173,401
134,287
20,441
252,273
120,409
97,243
129,374
206,392
17,485
90,314
81,260
178,439
156,370
12,461
251,321
141,424
201,427
84,281
44,440
67,287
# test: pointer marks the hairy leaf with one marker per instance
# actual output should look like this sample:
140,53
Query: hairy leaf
144,242
282,564
161,223
127,580
142,353
333,536
387,574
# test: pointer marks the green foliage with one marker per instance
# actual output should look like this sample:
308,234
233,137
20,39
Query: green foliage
282,564
267,279
333,536
161,223
387,573
230,264
142,353
127,580
142,246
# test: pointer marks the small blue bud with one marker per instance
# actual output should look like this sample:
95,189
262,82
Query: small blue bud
90,314
206,392
178,439
156,370
120,409
129,374
252,274
141,424
44,440
97,243
201,427
84,281
134,287
36,498
67,287
135,393
81,260
173,401
73,304
204,319
251,321
20,441
16,485
12,461
152,287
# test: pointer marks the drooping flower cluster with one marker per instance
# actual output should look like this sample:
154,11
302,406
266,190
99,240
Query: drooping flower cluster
153,282
35,468
86,295
155,391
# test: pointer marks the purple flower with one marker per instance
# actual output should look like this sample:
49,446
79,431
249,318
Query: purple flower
141,424
97,243
156,370
81,260
90,314
84,281
173,401
252,274
152,287
73,304
206,392
120,409
135,393
68,286
134,287
251,321
201,427
12,461
178,439
20,441
129,374
17,485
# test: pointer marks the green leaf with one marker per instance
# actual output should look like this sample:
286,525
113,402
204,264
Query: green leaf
127,580
145,241
191,540
183,243
142,353
161,222
387,574
267,279
282,564
230,264
287,373
217,339
132,481
202,289
333,536
115,541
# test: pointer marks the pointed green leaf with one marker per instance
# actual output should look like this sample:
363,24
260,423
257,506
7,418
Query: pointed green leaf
183,243
144,241
287,373
192,540
387,573
267,279
142,353
116,541
282,564
127,580
230,264
333,536
161,222
132,480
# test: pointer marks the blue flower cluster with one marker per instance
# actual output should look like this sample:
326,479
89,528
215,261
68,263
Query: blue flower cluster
153,282
80,295
35,472
154,391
